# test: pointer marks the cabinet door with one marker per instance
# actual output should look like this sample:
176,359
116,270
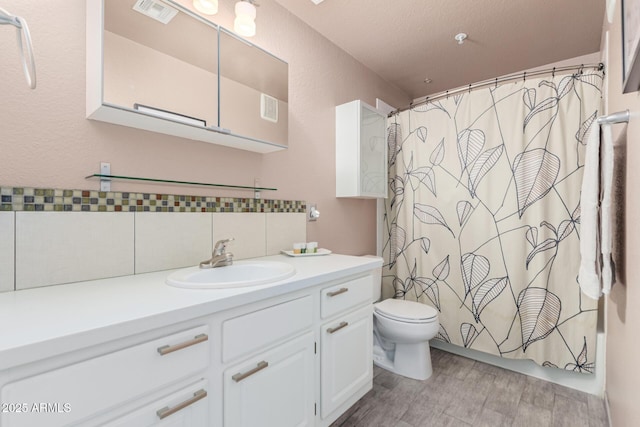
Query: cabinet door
272,389
373,153
361,151
185,408
346,358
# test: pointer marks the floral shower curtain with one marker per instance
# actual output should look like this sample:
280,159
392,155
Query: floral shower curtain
482,221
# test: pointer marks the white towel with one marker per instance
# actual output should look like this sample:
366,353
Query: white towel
605,208
588,276
595,277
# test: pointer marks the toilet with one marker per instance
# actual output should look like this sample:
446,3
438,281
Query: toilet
401,333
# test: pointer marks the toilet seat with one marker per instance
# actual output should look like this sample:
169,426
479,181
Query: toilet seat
406,311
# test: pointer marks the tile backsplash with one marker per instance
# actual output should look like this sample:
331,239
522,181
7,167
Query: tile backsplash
51,236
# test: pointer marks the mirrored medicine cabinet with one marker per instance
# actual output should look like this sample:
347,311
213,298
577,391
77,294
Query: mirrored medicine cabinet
155,65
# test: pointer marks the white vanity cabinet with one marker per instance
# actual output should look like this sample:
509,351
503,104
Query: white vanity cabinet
361,151
297,354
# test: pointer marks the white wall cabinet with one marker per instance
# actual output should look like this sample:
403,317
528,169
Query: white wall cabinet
361,151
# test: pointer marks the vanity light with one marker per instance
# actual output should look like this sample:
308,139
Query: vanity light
208,7
245,24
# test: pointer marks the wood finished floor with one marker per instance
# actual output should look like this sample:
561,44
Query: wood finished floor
463,392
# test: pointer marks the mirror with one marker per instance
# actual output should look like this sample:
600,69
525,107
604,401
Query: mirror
162,67
253,90
170,67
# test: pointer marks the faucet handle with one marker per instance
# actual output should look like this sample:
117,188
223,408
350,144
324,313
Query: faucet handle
221,245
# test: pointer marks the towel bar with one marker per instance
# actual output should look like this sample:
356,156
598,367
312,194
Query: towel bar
619,117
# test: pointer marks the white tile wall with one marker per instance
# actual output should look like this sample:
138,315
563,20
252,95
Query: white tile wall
49,248
285,229
248,230
7,238
63,247
166,240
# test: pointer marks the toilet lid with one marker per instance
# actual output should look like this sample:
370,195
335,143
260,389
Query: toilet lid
405,310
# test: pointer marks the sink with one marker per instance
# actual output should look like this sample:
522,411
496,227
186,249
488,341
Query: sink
239,274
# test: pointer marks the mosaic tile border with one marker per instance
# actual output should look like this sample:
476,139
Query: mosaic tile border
56,200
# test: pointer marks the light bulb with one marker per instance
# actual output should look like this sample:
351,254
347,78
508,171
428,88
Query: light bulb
208,7
245,24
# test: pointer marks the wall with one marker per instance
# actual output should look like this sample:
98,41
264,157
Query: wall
622,313
47,142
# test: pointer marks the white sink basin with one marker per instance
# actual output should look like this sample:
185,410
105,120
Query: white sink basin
240,273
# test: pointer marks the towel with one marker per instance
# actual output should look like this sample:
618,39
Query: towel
588,275
595,275
605,208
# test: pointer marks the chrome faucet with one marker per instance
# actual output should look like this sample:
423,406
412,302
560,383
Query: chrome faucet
220,257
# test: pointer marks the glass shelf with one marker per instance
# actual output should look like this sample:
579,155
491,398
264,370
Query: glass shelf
170,181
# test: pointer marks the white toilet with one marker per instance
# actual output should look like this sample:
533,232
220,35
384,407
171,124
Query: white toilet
401,333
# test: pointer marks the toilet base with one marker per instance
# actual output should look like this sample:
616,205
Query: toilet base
409,360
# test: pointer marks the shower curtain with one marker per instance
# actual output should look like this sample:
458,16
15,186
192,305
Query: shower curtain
483,217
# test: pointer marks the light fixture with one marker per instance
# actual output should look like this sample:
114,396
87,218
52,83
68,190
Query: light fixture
245,24
460,37
208,7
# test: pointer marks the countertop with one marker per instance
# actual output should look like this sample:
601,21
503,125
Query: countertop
55,319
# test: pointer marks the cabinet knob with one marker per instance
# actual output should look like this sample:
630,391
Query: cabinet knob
240,376
166,411
166,349
338,292
337,328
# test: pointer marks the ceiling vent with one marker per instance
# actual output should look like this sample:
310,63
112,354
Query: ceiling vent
268,108
155,9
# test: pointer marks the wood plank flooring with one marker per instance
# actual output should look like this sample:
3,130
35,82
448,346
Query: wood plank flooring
463,393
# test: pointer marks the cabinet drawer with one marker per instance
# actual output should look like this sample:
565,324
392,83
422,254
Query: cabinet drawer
86,388
338,298
249,332
187,407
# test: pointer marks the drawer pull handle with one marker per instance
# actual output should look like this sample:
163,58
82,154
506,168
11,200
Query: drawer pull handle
240,376
166,349
337,328
338,292
166,411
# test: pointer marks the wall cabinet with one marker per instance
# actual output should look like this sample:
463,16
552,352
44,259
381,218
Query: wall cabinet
361,151
183,76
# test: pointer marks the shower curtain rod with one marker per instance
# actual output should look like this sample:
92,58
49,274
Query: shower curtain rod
483,83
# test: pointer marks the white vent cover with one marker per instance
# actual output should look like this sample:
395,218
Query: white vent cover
268,108
155,9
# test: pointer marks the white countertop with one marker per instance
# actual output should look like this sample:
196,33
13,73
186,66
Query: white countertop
56,319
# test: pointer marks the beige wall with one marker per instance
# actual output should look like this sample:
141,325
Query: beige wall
46,141
623,305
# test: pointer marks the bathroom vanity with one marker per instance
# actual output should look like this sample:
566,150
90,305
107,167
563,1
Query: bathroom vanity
133,351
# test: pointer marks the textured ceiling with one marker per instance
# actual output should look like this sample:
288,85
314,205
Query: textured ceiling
406,41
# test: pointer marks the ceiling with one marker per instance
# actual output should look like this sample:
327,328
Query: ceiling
407,41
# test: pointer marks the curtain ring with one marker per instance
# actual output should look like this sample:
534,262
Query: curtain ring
524,76
469,87
553,73
496,83
447,94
